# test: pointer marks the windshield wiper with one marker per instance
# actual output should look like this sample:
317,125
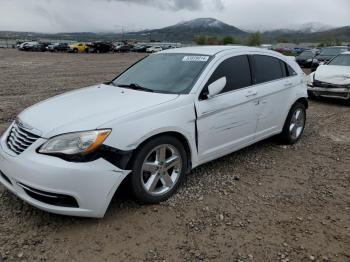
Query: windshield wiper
135,87
109,83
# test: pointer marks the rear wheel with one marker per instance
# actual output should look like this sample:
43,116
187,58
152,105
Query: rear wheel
158,169
75,50
294,125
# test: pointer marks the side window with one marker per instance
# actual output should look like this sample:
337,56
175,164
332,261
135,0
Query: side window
290,71
284,68
237,72
266,68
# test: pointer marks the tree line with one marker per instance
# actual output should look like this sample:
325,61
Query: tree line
253,39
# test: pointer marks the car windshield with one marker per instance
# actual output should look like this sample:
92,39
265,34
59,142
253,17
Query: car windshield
165,73
341,60
332,51
307,54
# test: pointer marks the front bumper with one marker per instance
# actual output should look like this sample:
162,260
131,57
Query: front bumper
335,92
91,184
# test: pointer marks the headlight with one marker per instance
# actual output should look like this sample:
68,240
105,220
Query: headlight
310,80
314,60
75,143
309,60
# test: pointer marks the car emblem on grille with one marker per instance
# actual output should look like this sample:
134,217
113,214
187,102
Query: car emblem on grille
23,125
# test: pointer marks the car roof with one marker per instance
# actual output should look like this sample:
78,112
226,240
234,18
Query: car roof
211,50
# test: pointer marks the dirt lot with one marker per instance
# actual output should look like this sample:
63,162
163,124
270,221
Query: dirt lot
268,202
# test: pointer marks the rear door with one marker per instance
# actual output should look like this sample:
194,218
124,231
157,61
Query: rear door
227,121
275,81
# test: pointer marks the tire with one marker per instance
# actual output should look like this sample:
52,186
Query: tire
75,50
86,50
149,181
291,134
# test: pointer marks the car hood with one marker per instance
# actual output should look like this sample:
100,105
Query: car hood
88,108
339,75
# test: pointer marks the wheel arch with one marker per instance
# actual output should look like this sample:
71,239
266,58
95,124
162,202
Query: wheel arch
302,100
181,137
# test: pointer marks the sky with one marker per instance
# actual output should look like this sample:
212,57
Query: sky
131,15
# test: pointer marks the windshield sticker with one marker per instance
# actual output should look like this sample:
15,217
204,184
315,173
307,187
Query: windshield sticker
195,58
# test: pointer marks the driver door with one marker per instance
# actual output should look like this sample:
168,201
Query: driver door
227,121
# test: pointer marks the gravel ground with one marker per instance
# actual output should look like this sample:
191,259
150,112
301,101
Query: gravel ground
267,202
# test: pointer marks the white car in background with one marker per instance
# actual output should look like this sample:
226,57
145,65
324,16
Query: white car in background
165,115
154,49
332,79
27,44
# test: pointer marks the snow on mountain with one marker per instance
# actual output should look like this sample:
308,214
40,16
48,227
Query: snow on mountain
311,27
203,22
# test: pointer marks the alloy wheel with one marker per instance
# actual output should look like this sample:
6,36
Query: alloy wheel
297,123
161,169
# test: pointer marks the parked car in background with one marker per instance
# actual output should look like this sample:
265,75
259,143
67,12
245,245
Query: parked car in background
78,48
100,47
266,46
23,46
165,115
327,54
332,79
58,47
297,50
305,58
123,48
35,47
168,47
154,49
116,45
140,48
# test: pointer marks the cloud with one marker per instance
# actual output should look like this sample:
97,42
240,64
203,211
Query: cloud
133,15
191,5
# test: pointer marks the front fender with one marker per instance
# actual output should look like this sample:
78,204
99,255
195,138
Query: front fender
177,116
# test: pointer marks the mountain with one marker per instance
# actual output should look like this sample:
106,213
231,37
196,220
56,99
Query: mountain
188,30
312,27
341,34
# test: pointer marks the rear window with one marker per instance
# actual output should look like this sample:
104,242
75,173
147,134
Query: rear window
267,68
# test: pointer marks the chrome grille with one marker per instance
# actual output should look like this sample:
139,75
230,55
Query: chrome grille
19,139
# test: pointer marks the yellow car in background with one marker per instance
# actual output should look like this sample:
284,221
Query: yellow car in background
78,48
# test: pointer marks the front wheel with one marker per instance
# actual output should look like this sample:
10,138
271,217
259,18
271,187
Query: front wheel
294,125
158,169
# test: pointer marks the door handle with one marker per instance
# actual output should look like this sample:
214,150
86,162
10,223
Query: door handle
251,93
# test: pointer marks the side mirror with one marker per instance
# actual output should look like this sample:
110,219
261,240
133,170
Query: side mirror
216,87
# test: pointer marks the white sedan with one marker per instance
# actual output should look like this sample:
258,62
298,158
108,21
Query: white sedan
332,79
154,49
167,114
